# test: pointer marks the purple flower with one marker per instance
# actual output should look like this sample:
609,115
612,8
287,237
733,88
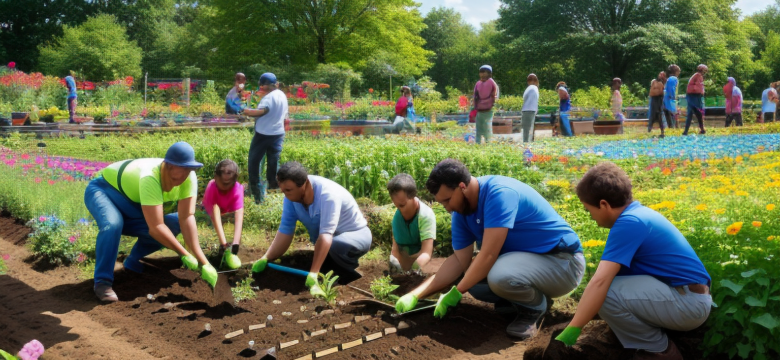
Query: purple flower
31,351
83,221
38,160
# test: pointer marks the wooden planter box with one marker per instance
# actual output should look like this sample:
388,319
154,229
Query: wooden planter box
582,127
502,126
20,118
607,127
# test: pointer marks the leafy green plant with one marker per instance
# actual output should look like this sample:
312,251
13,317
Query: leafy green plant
50,241
327,282
383,288
243,290
3,266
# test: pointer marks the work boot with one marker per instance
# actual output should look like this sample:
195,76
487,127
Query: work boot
525,324
671,353
105,293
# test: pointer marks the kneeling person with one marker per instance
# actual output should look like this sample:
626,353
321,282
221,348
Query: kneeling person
649,277
414,226
528,255
330,214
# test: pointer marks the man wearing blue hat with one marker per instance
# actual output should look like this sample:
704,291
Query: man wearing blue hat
127,199
485,95
269,136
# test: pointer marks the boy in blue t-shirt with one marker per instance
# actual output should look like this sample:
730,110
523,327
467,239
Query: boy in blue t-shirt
649,277
528,253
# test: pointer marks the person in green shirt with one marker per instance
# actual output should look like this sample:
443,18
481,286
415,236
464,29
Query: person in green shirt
127,199
414,226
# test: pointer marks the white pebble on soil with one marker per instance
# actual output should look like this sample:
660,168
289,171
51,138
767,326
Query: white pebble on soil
277,302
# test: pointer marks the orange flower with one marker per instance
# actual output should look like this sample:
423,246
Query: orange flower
734,228
770,207
757,224
771,237
701,207
666,171
370,90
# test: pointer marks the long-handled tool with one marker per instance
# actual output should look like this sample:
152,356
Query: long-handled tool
274,266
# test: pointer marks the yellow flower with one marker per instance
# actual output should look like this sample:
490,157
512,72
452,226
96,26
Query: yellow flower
701,207
757,223
720,211
771,237
563,184
593,243
742,193
663,205
770,207
683,187
734,228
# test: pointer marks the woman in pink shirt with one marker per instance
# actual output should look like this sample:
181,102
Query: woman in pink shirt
485,94
695,97
733,102
225,195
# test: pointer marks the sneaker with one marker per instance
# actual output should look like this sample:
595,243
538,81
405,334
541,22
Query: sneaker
671,353
524,326
702,132
105,293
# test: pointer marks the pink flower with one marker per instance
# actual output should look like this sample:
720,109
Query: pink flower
6,257
51,182
11,65
81,258
72,239
25,157
42,219
37,180
38,160
31,351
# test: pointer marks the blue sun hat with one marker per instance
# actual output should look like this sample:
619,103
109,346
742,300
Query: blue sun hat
182,154
486,67
267,79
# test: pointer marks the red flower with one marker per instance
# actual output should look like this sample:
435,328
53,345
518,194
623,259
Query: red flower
51,182
370,90
11,65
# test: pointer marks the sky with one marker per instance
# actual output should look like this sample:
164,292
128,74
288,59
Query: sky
476,12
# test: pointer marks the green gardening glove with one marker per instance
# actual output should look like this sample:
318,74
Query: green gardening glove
406,303
446,301
316,291
231,260
260,265
190,262
311,279
209,273
569,335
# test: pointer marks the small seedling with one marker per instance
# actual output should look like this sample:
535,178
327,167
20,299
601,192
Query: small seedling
383,288
327,286
243,290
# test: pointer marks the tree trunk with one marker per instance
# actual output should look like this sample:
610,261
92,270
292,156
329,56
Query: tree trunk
320,49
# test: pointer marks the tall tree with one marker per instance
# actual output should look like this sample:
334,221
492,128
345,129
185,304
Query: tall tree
454,43
25,24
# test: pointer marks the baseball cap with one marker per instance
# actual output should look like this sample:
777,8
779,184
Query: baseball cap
182,154
267,79
486,67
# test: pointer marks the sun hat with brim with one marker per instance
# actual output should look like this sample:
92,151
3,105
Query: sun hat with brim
182,154
267,79
486,67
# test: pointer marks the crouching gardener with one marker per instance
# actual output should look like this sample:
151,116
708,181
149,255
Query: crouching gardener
127,199
330,214
414,226
528,255
649,277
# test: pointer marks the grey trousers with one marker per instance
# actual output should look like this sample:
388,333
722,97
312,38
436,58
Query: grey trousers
529,117
523,278
639,307
348,247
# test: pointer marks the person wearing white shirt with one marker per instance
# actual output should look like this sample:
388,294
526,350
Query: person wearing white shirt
530,107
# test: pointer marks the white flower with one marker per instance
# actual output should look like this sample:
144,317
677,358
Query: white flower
422,160
354,171
337,170
349,164
367,168
384,174
719,231
732,256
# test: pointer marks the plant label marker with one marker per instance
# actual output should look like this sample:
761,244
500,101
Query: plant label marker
302,321
327,312
351,344
342,326
234,334
373,336
390,330
322,353
287,344
256,327
305,357
362,318
319,332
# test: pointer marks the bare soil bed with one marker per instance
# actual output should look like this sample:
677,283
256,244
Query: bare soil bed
51,305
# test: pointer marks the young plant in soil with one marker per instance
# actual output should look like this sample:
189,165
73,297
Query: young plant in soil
327,286
243,290
383,288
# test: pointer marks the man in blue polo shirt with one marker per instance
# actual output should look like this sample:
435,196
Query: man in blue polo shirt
331,215
649,277
528,253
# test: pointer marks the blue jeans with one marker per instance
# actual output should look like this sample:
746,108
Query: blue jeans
695,108
269,147
565,124
116,215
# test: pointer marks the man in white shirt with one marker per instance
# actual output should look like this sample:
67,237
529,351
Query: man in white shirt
269,136
530,107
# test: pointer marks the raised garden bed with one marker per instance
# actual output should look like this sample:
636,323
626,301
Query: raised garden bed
609,127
